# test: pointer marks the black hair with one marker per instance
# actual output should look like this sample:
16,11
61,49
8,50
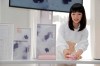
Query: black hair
77,7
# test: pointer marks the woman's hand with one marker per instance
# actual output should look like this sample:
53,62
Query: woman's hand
73,57
77,54
71,53
66,52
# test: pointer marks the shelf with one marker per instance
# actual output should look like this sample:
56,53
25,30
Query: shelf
52,62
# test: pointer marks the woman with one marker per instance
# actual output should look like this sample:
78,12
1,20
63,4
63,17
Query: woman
72,38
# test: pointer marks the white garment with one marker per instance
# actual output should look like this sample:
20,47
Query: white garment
65,34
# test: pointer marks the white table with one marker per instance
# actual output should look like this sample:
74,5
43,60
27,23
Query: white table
51,62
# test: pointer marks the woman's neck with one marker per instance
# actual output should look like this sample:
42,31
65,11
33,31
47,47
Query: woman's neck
75,25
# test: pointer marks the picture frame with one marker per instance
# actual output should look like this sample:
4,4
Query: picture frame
22,44
47,5
46,42
6,41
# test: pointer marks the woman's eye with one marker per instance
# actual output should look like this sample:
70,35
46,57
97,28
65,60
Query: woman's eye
79,14
73,14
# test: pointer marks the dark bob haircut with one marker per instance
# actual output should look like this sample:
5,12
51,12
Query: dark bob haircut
77,7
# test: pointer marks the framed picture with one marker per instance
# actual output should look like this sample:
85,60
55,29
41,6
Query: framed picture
21,50
22,44
49,5
6,41
46,42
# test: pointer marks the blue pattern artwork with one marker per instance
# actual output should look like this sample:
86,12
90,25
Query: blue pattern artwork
26,36
47,36
22,45
21,50
47,50
15,46
49,5
65,1
46,40
38,1
26,49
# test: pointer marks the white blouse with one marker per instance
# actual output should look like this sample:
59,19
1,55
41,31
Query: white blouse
65,34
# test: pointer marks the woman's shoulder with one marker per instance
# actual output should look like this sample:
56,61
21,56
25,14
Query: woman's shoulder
85,30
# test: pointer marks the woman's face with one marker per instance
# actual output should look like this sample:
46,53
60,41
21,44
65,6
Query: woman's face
76,17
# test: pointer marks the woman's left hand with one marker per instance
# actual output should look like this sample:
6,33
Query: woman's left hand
78,53
73,57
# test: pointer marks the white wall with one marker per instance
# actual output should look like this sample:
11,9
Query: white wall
0,10
95,31
92,26
46,17
19,17
95,25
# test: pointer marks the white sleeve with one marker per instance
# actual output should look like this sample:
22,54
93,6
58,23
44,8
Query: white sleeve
61,42
83,44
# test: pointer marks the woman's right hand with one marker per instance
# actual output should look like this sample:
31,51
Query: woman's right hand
66,52
71,49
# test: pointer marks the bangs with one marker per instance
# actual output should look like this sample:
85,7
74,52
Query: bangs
77,9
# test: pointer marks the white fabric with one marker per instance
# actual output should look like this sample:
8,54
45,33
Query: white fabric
65,34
